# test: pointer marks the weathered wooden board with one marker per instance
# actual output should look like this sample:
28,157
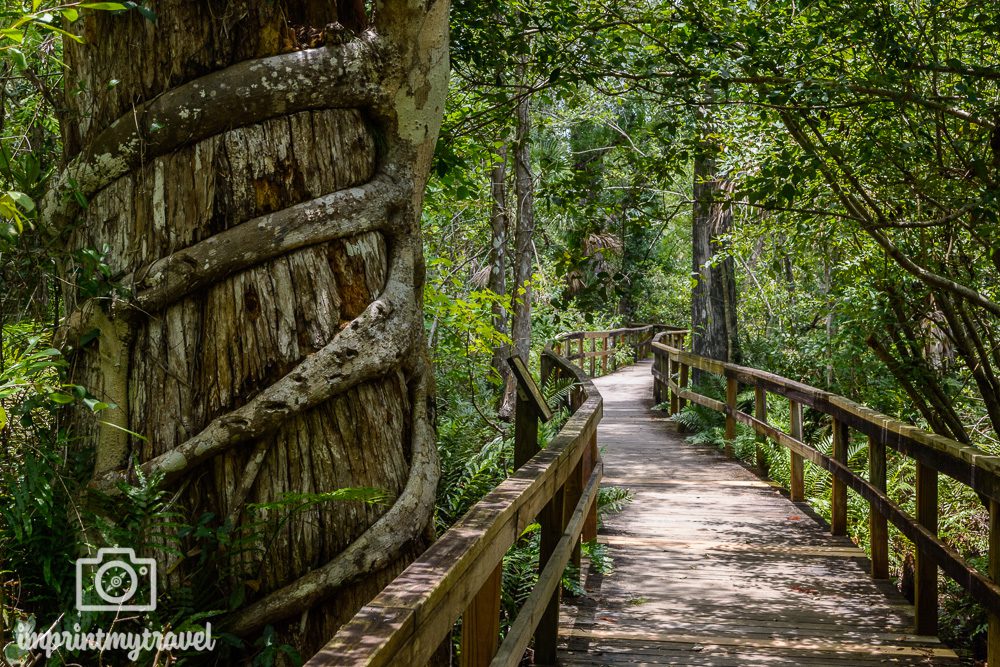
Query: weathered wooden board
713,566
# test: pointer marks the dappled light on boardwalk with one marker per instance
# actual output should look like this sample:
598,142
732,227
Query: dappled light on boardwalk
713,566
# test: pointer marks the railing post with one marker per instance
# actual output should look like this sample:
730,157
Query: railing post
529,407
593,357
604,354
672,365
993,636
838,493
925,595
546,366
731,387
760,412
878,527
525,430
481,623
591,456
683,382
657,382
796,485
481,619
573,491
551,525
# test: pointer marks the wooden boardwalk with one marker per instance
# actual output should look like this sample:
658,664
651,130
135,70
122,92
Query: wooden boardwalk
713,566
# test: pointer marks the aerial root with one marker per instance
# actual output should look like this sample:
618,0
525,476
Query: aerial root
376,548
332,77
340,214
369,347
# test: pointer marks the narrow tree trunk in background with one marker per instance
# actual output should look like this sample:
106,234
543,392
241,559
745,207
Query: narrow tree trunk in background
499,225
829,322
713,298
265,216
523,256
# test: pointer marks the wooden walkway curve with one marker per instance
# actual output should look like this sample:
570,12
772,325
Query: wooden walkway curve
713,566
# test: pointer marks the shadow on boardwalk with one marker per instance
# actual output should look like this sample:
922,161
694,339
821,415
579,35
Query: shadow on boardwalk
713,566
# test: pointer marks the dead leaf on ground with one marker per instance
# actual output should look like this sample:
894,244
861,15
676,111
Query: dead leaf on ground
803,589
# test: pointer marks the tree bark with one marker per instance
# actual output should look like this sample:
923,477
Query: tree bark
713,298
260,198
499,225
523,247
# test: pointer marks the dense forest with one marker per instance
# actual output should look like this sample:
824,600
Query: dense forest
263,264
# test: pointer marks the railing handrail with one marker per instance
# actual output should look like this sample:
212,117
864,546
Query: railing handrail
407,622
620,330
638,339
965,463
933,454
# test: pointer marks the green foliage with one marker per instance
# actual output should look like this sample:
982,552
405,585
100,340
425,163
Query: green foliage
858,172
297,502
612,499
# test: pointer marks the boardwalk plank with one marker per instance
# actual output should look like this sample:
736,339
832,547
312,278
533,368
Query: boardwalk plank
714,566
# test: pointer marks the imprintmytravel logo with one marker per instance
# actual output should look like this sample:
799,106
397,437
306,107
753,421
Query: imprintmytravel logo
117,575
115,580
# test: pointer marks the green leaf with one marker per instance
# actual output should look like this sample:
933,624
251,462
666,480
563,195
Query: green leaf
60,31
3,418
95,405
138,436
12,34
14,654
70,14
19,60
21,199
60,398
148,13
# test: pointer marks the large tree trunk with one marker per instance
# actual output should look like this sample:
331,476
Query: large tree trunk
255,179
713,298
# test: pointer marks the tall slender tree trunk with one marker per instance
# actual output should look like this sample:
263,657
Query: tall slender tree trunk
713,298
499,225
255,173
524,192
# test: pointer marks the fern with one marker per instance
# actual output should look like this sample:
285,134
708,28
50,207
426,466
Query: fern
612,499
557,391
297,502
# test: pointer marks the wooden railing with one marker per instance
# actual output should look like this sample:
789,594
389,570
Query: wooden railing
932,453
460,574
587,347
